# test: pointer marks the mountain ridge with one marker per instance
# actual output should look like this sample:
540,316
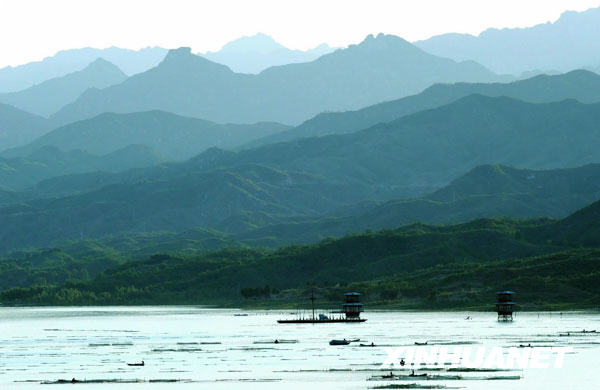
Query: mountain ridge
49,96
18,127
579,84
285,94
566,44
17,78
23,172
173,136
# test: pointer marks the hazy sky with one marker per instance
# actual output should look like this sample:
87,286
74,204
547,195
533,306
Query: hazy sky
33,29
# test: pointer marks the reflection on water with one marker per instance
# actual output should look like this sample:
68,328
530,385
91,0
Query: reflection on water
185,346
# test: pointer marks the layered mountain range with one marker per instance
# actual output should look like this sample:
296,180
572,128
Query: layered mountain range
320,176
380,68
580,85
168,151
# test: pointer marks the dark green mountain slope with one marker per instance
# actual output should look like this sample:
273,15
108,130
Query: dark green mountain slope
376,70
568,189
414,266
426,150
579,229
173,136
23,172
580,85
418,266
18,127
222,275
183,202
484,192
49,96
55,266
279,218
86,258
77,183
560,281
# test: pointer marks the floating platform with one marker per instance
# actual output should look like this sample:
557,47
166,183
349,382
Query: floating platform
351,310
318,321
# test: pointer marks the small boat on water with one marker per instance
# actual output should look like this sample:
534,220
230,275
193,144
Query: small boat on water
141,364
343,342
276,341
418,343
339,342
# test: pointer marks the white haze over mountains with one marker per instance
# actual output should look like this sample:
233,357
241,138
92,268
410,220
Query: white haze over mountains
572,42
21,77
256,53
244,55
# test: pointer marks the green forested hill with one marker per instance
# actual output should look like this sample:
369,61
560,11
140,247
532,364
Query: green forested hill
358,257
183,202
579,229
416,266
259,206
485,191
558,281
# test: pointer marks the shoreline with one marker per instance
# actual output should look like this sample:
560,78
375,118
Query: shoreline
275,307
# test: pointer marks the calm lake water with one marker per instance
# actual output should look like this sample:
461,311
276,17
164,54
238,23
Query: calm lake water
214,349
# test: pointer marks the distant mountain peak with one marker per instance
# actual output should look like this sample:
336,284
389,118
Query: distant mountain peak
103,65
101,62
253,54
258,43
382,42
183,58
178,53
381,37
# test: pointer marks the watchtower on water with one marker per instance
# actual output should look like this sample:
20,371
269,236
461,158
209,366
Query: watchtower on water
505,305
352,306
